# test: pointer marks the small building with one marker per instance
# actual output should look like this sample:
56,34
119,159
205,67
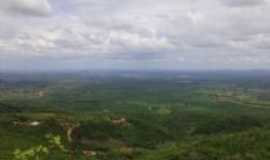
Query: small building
89,153
34,123
27,123
120,122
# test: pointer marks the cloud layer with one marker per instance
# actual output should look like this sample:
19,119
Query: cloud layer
141,34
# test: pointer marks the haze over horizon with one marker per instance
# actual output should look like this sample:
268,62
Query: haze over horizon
136,35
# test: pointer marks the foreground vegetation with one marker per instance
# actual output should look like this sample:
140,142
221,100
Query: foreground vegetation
144,116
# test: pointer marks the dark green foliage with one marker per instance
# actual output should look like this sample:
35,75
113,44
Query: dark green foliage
252,145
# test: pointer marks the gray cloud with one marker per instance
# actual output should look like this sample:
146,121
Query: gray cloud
26,7
243,3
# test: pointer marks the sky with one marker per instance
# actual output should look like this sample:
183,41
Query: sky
134,34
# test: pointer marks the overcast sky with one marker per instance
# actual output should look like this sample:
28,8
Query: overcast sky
134,34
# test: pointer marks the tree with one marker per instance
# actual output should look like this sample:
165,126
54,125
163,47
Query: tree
53,147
